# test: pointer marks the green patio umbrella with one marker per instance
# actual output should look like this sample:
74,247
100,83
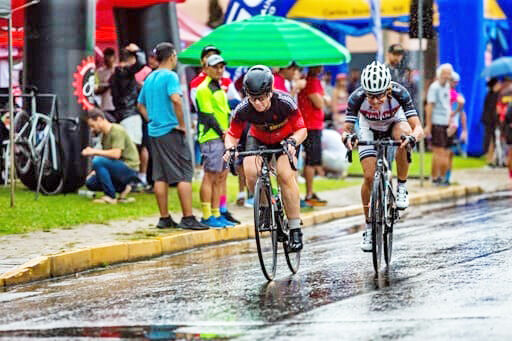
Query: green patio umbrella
273,41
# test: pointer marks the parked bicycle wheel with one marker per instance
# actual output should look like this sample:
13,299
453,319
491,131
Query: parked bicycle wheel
377,219
52,179
22,158
265,229
390,221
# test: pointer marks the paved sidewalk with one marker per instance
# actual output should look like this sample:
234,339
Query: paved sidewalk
18,249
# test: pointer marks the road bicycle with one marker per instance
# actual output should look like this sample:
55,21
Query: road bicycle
37,151
270,224
383,211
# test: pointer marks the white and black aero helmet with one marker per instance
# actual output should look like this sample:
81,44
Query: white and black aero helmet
376,78
258,80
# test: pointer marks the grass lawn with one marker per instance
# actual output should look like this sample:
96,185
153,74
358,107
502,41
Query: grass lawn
71,209
459,162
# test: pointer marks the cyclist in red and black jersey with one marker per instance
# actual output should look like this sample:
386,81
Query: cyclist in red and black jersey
274,117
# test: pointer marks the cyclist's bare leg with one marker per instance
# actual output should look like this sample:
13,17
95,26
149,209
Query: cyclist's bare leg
289,187
368,165
402,166
252,167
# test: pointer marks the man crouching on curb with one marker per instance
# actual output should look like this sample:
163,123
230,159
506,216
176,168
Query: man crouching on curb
116,165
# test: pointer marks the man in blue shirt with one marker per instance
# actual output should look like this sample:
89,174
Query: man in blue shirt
160,104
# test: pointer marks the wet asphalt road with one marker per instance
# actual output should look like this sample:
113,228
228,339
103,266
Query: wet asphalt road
451,278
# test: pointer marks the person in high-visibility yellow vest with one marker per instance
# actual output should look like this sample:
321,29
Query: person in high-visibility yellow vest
213,120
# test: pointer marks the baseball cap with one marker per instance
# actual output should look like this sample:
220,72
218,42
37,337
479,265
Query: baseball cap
209,48
396,49
215,59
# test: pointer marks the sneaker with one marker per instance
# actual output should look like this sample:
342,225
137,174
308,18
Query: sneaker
402,198
437,181
249,202
314,200
166,223
295,243
229,217
191,223
366,243
304,204
213,222
224,221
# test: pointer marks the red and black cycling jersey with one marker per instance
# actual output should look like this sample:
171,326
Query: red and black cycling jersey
281,120
358,103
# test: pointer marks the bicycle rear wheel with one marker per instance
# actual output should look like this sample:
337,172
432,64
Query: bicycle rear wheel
390,221
265,229
22,158
53,179
377,220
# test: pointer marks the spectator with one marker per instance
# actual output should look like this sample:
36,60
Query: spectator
287,80
328,90
438,112
457,118
508,139
354,80
103,88
395,57
490,117
410,85
160,103
115,165
311,105
233,99
339,101
125,90
333,154
213,110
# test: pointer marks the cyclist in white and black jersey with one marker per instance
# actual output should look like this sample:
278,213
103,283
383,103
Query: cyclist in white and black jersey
384,109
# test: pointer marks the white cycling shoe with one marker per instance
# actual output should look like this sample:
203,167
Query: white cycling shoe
402,197
366,243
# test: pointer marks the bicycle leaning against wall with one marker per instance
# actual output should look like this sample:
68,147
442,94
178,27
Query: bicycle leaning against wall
38,155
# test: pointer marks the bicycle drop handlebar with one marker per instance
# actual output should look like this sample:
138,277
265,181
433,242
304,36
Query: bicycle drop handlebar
383,143
263,151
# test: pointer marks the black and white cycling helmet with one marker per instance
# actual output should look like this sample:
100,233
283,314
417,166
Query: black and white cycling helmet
376,78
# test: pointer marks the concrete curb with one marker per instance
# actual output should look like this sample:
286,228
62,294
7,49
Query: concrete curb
74,261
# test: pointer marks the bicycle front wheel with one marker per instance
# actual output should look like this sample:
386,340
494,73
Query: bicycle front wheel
22,158
377,220
265,229
390,221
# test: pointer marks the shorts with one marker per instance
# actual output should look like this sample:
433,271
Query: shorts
313,148
440,136
133,126
172,162
212,156
371,132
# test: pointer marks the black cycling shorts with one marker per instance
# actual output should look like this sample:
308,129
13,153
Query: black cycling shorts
313,148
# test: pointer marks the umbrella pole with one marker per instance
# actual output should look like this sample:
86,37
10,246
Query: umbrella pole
175,33
420,88
11,113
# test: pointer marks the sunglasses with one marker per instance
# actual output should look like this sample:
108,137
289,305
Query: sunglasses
260,98
379,97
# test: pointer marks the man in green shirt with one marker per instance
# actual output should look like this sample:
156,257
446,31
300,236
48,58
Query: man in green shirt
114,166
213,121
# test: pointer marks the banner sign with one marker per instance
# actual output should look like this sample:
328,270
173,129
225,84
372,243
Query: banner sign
244,9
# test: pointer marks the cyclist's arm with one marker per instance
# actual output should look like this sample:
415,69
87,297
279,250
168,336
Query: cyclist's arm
300,135
300,131
417,130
